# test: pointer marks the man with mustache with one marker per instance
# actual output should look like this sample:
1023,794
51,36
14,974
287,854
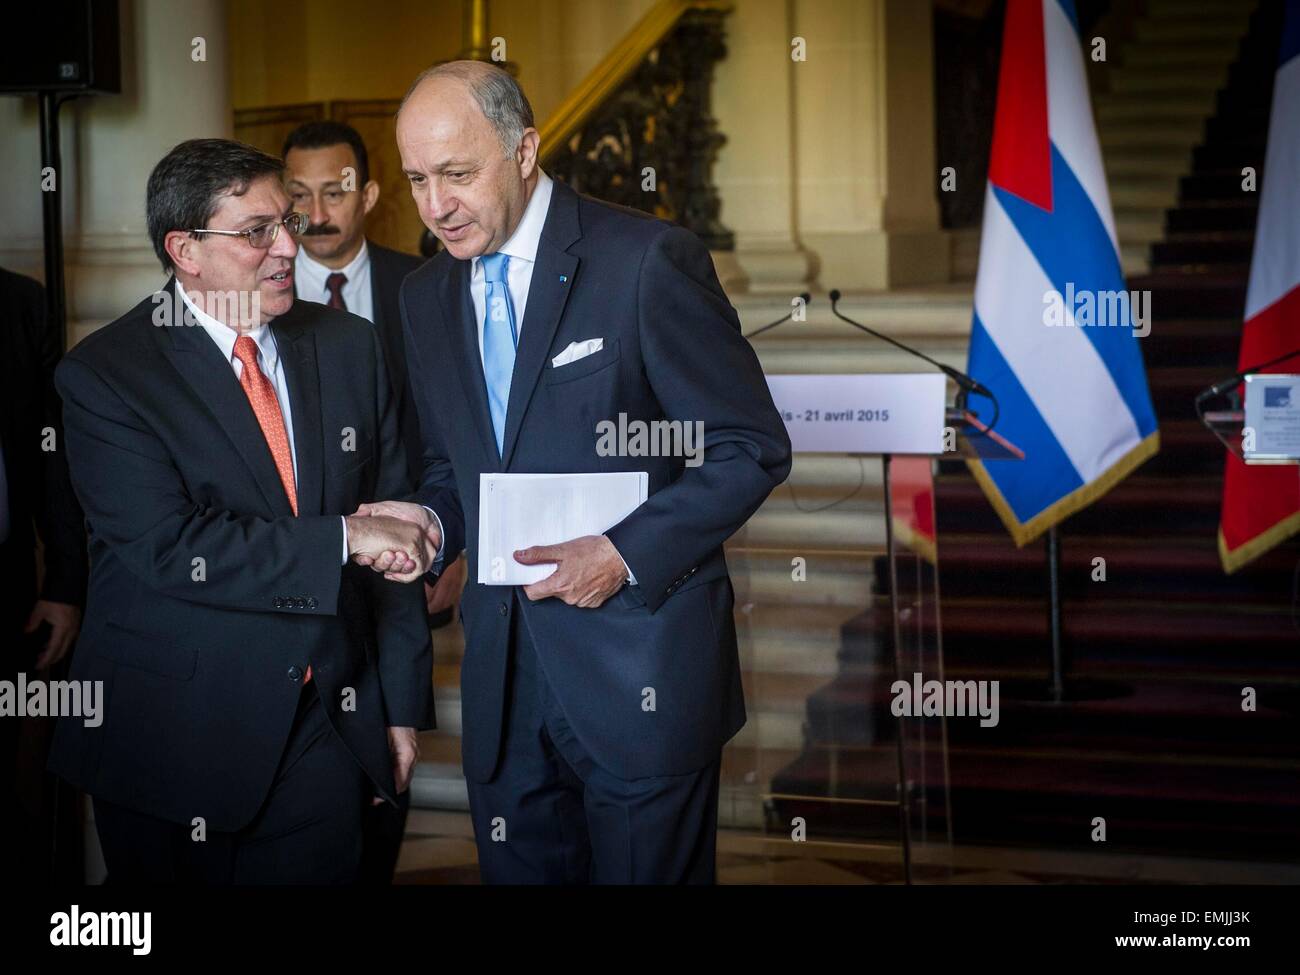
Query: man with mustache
596,702
218,435
327,176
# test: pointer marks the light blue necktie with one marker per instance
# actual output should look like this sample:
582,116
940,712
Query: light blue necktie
500,337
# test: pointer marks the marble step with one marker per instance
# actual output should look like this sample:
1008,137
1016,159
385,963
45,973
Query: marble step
1184,53
1209,27
1194,83
1170,132
1146,107
821,577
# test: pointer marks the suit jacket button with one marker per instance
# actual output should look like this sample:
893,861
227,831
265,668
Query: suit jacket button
278,602
295,674
505,610
311,602
299,603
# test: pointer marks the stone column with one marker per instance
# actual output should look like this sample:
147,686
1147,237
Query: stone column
865,177
753,101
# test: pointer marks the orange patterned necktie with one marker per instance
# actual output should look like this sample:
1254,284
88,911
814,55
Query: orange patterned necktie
266,407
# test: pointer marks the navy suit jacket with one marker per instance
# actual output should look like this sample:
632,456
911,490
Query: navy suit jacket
202,663
387,269
672,351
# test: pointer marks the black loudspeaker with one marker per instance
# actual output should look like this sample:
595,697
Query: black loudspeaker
72,46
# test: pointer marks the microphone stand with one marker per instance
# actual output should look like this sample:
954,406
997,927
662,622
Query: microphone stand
806,298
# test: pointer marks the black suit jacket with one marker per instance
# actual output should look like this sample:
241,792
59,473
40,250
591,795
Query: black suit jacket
40,494
673,352
387,270
208,598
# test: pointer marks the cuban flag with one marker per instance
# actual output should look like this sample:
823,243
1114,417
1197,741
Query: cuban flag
1052,337
1261,505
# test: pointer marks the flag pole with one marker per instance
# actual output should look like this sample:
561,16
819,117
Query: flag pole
1056,682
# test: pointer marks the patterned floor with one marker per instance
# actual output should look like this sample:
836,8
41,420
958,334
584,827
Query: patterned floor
439,849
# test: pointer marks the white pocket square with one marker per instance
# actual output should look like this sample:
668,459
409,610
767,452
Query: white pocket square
578,350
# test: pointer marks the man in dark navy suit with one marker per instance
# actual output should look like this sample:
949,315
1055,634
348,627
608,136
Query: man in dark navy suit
596,702
218,435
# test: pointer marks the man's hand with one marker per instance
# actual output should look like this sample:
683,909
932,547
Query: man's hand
414,514
589,570
404,747
446,591
65,624
398,548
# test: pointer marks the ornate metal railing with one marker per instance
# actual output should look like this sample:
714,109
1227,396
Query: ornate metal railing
639,129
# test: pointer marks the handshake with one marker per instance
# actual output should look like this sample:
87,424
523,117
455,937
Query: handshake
397,538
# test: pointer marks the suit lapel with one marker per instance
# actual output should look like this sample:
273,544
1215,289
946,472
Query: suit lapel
197,358
462,334
553,279
297,347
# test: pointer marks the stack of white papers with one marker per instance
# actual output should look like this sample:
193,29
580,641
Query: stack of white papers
517,511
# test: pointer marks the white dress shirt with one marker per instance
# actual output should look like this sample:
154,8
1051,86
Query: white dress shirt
268,357
521,248
310,276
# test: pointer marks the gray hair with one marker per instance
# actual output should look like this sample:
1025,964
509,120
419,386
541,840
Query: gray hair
499,97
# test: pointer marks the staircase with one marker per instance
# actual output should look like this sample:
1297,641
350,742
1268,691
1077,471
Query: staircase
1151,105
1164,752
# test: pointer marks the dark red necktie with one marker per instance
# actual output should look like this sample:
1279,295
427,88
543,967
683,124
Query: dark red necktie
334,285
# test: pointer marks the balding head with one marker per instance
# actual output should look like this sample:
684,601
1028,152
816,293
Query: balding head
499,97
469,149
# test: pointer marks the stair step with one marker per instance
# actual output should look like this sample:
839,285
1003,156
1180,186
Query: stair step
1209,187
1156,85
1207,809
1215,639
1175,54
1233,155
1148,717
1170,132
1121,161
1195,8
1208,342
1230,247
1211,27
1178,295
1155,195
1152,505
1135,568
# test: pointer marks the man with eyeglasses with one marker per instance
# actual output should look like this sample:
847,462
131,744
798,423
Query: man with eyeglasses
218,435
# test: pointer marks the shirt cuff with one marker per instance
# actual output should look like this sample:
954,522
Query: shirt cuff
442,538
344,519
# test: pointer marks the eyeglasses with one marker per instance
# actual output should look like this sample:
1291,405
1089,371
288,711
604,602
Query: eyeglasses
263,235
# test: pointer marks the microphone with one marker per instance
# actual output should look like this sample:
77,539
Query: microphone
967,384
1219,388
807,298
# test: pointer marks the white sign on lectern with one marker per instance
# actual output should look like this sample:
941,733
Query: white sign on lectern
879,413
1272,414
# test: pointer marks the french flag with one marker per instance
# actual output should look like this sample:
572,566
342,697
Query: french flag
1261,505
1071,387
